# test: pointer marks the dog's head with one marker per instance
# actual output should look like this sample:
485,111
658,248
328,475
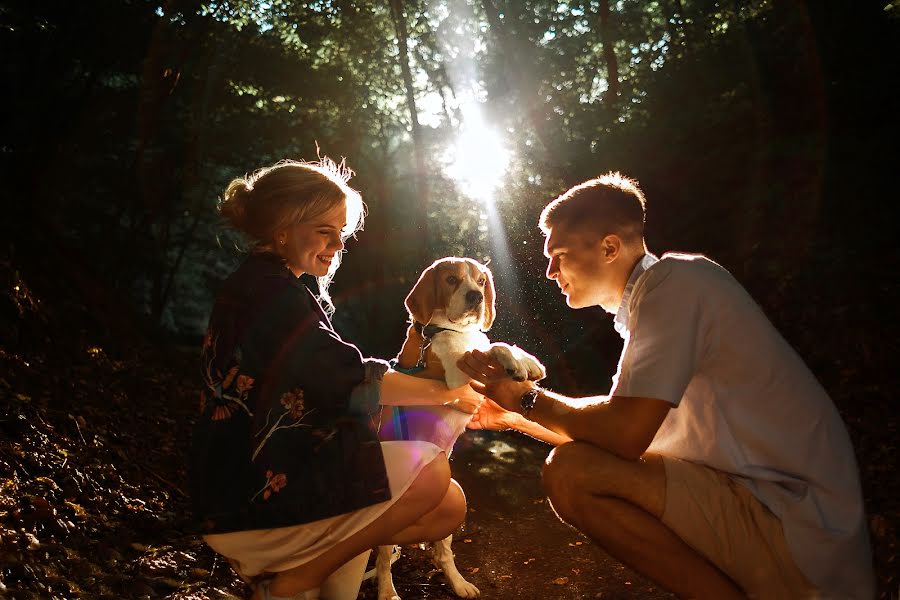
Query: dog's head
456,293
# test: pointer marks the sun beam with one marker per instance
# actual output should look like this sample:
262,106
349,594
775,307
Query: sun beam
478,159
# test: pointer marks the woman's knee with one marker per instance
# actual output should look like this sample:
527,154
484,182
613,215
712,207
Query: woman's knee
430,485
453,507
448,515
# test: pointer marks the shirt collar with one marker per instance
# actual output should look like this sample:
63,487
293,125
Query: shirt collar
624,312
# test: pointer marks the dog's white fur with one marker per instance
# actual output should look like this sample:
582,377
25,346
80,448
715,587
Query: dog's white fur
450,303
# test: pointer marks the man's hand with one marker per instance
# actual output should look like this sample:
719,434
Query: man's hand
490,378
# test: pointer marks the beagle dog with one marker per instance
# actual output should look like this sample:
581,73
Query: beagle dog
450,308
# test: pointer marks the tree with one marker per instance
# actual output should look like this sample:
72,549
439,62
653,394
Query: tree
609,54
421,201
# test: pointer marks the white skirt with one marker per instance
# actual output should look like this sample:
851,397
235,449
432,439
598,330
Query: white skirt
272,550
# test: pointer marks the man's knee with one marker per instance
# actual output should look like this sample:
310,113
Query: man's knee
577,473
563,477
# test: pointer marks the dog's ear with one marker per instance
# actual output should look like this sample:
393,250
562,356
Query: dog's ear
421,300
489,295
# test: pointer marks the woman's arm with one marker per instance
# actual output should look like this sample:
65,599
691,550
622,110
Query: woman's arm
399,389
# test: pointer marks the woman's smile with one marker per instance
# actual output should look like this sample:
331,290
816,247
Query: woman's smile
311,246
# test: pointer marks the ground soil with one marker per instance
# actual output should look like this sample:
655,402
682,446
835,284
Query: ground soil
512,544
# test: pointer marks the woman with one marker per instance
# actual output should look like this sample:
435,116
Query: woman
288,476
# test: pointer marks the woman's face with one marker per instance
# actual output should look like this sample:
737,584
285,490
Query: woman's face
310,246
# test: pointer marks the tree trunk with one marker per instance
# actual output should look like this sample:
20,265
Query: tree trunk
439,75
418,144
609,55
191,180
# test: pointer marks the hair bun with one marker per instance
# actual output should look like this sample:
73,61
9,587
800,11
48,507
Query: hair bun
233,206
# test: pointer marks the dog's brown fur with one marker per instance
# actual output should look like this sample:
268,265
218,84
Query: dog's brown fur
433,291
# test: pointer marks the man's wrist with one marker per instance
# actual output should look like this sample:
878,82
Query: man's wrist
528,400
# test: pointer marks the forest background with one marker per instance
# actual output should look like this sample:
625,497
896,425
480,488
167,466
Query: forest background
763,133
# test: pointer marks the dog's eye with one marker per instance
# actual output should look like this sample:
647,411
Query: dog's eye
452,279
482,281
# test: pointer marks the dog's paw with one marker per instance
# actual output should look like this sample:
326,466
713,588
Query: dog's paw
505,355
536,370
464,589
518,364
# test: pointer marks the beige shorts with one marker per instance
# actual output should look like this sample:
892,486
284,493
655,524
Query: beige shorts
723,521
253,553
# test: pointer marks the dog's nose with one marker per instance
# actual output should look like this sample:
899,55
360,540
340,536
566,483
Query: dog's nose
474,297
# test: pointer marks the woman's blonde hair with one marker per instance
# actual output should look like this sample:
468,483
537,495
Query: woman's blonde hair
269,199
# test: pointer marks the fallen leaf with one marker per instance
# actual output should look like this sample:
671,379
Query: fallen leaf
561,581
33,542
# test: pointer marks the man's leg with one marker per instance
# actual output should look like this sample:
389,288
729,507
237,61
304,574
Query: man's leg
619,504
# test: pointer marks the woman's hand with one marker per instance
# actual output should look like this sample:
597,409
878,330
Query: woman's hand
491,415
464,399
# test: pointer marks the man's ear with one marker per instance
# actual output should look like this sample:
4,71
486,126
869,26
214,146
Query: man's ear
610,247
421,300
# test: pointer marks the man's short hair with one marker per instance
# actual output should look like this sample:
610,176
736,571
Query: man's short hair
611,203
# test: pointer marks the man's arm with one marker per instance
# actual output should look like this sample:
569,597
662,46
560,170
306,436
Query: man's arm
623,426
491,415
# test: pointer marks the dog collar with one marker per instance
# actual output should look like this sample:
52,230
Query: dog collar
429,331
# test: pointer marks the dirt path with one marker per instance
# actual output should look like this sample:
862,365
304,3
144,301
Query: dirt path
512,545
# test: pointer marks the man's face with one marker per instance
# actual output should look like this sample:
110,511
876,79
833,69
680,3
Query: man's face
578,266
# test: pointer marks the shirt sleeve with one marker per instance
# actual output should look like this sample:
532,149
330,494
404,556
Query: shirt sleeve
660,354
366,397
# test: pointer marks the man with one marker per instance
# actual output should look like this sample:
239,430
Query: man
717,465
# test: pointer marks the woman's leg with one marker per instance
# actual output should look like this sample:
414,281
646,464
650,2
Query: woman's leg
425,494
440,522
344,583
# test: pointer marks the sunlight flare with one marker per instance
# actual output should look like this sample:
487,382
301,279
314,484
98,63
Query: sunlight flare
478,159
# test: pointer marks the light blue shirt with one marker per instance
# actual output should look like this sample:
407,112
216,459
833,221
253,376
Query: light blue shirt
744,403
621,321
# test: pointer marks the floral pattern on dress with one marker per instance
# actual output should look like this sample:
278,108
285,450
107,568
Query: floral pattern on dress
227,392
275,482
291,417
